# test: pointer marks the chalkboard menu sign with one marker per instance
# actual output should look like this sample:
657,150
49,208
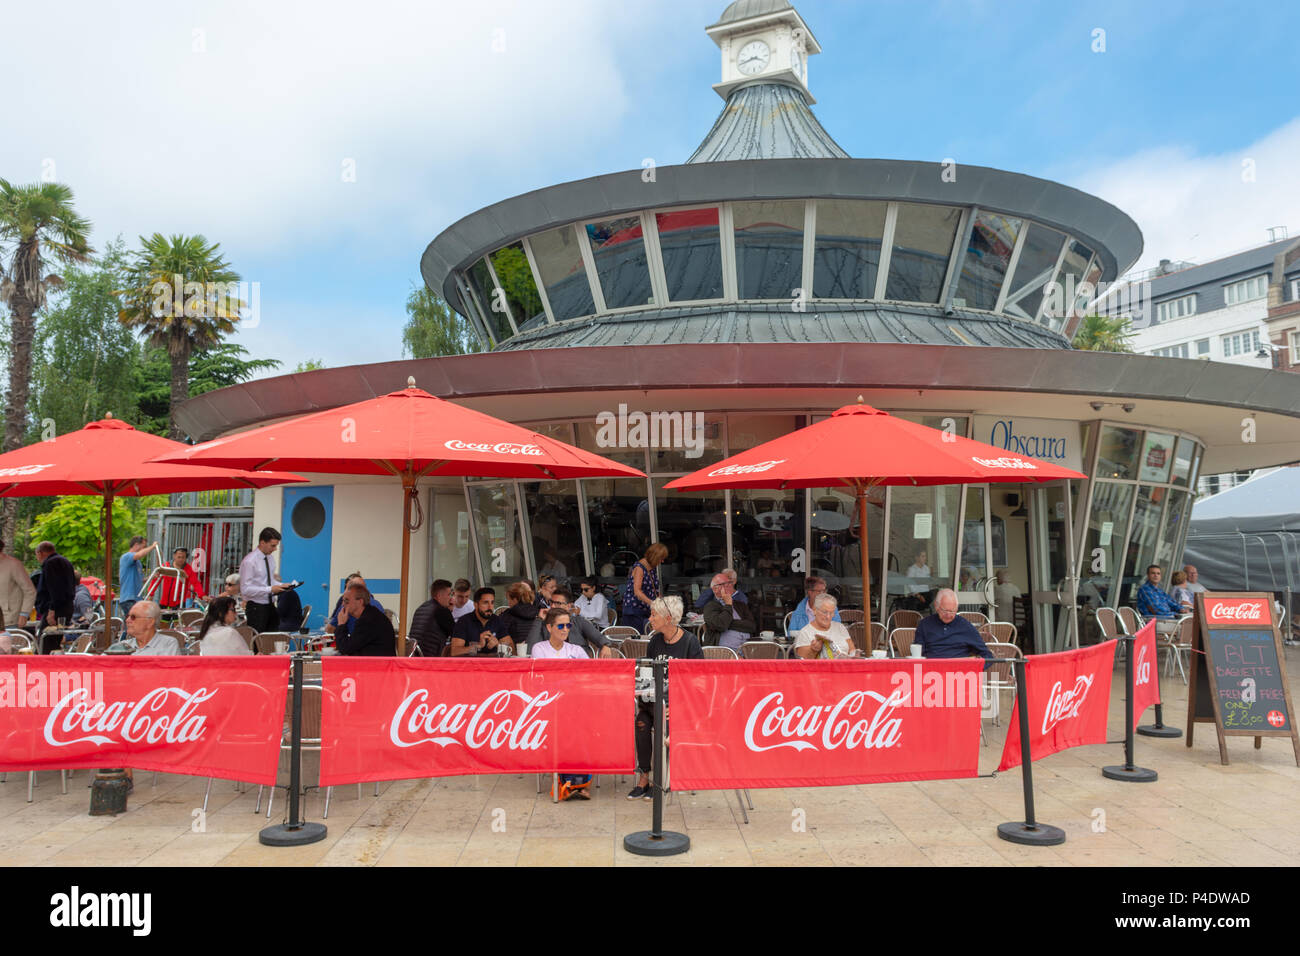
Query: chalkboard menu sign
1238,677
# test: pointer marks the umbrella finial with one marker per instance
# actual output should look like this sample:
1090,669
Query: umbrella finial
108,414
410,381
860,401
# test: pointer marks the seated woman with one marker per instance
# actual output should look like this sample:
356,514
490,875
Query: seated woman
556,646
217,635
667,639
823,637
521,612
1182,594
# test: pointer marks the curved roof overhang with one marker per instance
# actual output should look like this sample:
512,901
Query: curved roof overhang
1208,399
1105,228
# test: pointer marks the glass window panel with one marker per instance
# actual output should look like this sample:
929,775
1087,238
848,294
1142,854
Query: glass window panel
835,552
681,441
555,528
974,549
604,438
498,528
449,533
766,528
1063,294
693,526
985,263
559,261
749,431
691,243
1034,270
618,247
1157,456
846,255
618,523
769,249
1117,457
923,519
1107,525
481,279
1169,534
516,278
1142,542
923,238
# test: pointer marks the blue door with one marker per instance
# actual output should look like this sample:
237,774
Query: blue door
307,526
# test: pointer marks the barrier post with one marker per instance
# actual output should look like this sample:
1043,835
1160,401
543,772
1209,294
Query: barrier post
1129,772
295,832
1030,832
655,841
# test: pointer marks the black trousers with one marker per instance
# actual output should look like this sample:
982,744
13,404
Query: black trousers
262,617
645,724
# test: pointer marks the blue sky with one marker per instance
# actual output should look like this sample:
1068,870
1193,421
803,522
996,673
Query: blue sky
238,120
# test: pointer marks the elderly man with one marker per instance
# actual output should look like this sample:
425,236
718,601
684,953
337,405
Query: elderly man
339,616
728,622
57,591
706,596
582,632
945,634
432,623
1193,579
1153,602
17,593
142,630
802,614
371,634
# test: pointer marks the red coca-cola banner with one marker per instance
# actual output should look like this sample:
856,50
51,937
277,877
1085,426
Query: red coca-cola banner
1146,679
823,723
1237,612
396,719
1068,694
203,716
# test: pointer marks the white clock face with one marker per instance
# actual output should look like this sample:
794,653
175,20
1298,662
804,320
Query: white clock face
753,58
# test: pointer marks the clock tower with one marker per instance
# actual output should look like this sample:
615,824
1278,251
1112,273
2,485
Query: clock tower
763,41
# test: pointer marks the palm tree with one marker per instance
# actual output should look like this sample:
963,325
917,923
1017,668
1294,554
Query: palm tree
37,224
182,295
1101,333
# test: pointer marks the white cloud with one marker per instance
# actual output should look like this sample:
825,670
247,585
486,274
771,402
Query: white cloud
1198,207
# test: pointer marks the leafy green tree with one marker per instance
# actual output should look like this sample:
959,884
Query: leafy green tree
434,328
74,525
1101,333
216,367
37,225
183,295
310,365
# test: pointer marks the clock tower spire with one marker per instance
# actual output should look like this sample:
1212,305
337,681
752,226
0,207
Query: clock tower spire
763,42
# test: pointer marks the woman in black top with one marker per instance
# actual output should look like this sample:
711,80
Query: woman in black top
521,613
667,640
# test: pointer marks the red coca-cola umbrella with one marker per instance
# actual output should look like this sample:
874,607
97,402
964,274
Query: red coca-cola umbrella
408,434
111,458
861,447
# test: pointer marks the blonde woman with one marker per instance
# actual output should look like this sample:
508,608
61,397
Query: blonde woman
666,640
643,587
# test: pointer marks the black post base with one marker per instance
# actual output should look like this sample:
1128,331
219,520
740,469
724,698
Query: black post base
645,843
283,835
1151,730
1039,834
108,792
1131,774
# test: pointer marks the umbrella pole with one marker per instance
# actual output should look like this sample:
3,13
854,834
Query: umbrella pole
408,490
108,560
865,557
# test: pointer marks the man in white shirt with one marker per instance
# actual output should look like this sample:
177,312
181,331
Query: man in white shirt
460,599
1193,584
259,583
1005,594
592,604
17,593
142,628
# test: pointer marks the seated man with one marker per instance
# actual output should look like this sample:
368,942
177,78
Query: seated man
592,604
558,626
582,632
339,617
371,634
481,631
462,600
945,634
1153,602
728,622
82,605
707,596
802,614
142,631
432,624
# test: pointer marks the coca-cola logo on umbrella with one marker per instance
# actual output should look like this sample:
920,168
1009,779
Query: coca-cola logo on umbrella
1229,611
494,448
511,719
23,470
860,719
1022,463
168,714
758,466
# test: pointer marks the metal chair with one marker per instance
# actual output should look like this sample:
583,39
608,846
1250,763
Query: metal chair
975,617
415,650
1176,645
635,647
247,633
851,616
879,637
264,643
903,619
1001,676
620,632
1130,619
190,617
306,614
1000,632
759,651
902,639
1108,623
858,634
82,644
19,639
720,654
785,623
615,653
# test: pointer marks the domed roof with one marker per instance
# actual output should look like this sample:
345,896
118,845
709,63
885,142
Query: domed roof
744,9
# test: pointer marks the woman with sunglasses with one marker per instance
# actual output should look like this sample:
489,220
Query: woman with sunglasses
558,625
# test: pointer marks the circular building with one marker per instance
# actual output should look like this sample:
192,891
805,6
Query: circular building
670,316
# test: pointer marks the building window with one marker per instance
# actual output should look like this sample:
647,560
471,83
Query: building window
923,240
1173,351
1256,287
769,249
692,251
1295,347
1202,348
1176,308
1241,343
618,248
984,265
1295,290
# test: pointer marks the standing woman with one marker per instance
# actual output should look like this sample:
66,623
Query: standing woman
667,640
642,587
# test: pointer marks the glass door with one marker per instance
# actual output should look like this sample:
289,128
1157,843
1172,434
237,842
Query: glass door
975,573
1054,586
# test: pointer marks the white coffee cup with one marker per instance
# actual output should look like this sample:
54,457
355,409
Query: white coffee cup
767,635
281,647
916,650
878,653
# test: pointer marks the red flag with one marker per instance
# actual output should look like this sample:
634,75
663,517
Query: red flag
823,723
1146,679
203,716
1068,694
397,719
